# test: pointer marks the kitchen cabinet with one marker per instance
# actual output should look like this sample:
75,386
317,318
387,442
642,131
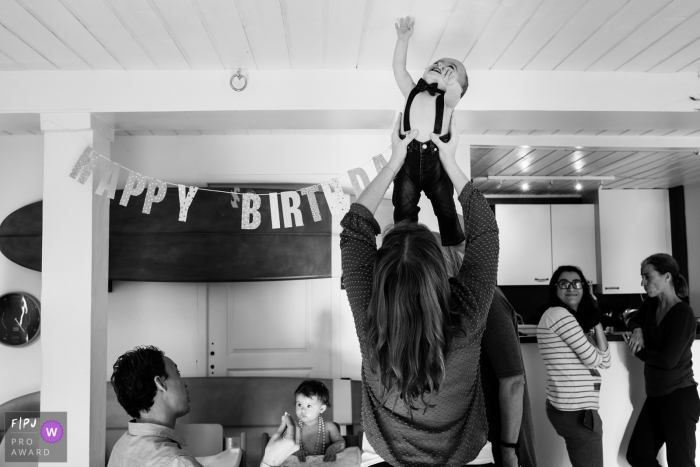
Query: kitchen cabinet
537,238
632,224
573,238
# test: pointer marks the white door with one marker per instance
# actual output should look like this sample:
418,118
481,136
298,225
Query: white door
272,328
526,242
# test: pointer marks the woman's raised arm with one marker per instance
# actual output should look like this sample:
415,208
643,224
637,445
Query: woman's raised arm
373,194
480,264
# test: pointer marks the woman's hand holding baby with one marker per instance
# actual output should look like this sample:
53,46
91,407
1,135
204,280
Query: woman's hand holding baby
448,154
399,146
374,193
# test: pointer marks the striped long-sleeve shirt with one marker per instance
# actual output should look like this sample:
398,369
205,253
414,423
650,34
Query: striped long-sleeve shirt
573,382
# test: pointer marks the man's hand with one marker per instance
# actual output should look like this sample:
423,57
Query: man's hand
404,28
283,443
636,341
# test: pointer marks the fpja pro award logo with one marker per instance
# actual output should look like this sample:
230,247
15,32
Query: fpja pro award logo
36,436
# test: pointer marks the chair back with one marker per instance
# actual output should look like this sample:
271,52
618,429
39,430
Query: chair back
203,439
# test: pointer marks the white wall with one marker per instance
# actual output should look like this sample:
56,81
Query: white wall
692,225
21,183
169,315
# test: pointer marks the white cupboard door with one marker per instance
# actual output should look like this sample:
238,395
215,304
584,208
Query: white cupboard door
633,225
573,238
526,256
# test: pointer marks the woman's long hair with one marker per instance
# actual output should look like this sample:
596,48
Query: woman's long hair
663,263
410,317
588,314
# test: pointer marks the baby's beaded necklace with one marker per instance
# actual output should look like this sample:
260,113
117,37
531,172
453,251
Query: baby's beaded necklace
320,439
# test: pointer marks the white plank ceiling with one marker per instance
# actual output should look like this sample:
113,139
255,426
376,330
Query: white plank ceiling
572,35
631,169
654,36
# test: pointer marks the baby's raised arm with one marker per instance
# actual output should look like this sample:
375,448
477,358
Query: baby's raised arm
404,30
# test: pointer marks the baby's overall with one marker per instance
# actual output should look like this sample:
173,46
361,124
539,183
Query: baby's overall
423,171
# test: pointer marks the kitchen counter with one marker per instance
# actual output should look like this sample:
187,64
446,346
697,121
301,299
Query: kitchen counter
621,397
616,337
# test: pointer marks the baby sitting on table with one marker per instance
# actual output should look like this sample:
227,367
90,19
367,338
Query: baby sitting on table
317,438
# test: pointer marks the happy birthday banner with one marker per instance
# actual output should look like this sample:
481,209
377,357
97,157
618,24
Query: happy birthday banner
250,202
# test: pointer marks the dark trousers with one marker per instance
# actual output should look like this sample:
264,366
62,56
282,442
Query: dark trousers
669,419
423,171
582,431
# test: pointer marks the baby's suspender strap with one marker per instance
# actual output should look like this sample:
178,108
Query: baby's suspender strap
439,110
407,111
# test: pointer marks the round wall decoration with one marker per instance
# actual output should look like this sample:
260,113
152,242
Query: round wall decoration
20,318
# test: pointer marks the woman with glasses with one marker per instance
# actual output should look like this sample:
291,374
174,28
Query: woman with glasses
663,332
573,346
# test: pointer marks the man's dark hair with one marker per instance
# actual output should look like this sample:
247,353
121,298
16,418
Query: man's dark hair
313,387
133,378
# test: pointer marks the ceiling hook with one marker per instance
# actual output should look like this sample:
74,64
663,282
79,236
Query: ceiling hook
239,76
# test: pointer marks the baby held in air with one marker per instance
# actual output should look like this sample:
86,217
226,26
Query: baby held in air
429,107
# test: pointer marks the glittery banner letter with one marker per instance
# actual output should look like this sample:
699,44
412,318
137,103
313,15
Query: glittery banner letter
185,200
251,207
134,186
85,165
310,192
152,196
110,175
290,205
354,174
379,162
274,211
335,197
235,197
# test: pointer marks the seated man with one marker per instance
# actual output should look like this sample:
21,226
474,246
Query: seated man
149,388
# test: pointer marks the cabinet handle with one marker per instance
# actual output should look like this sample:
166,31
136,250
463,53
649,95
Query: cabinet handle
542,280
612,288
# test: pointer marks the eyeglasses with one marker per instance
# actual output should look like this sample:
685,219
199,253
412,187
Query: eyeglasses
564,284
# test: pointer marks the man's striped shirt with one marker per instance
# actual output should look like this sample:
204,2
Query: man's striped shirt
573,383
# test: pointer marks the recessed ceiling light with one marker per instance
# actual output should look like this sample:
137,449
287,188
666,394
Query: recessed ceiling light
525,147
525,186
579,186
579,147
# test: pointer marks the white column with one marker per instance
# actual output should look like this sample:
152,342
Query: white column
74,277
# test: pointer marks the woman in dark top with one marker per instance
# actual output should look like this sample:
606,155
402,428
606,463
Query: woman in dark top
419,329
663,331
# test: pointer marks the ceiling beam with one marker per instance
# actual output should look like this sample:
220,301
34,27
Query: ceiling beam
175,91
628,143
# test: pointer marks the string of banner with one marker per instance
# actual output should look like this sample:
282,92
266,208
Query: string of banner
156,190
